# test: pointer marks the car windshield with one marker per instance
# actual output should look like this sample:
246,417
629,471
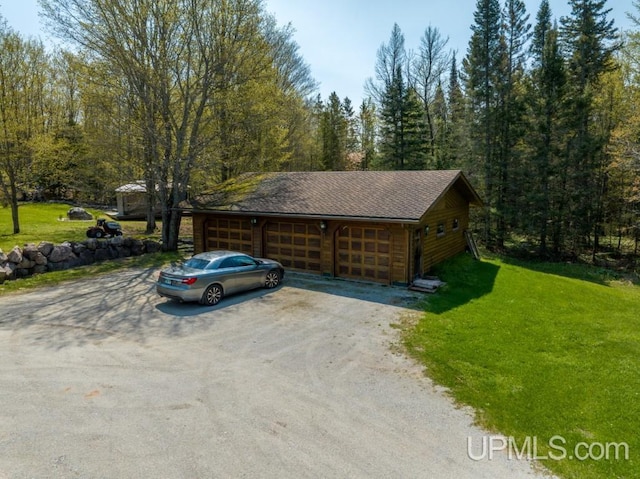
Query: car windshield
197,263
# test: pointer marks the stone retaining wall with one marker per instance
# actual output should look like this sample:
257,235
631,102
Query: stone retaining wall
32,259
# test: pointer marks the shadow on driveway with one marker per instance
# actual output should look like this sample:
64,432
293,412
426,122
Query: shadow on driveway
119,305
363,291
183,310
125,305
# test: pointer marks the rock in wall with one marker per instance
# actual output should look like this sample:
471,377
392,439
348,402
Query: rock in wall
32,259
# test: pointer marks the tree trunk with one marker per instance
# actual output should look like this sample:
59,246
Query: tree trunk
151,201
151,219
596,243
619,240
559,229
166,220
544,210
171,215
598,220
10,194
545,161
173,233
14,215
13,199
501,203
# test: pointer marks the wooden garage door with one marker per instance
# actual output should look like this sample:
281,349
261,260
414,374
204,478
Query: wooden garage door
295,245
364,253
232,234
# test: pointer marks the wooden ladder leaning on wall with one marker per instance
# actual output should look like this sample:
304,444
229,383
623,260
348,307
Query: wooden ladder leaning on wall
471,243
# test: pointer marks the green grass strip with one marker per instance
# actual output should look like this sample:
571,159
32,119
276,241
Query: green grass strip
540,350
155,260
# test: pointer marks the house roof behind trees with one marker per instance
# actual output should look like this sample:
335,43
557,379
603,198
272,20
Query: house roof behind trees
403,196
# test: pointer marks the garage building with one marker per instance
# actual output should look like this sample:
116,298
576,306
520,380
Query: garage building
382,226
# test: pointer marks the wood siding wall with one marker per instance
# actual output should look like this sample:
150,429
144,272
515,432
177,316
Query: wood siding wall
368,250
438,247
198,220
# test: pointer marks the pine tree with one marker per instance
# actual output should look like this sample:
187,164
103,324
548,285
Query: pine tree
628,132
515,33
388,91
589,40
402,143
334,134
316,120
351,143
546,201
367,133
456,139
392,126
415,145
482,66
441,127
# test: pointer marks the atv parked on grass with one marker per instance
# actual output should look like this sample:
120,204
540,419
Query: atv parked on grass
104,229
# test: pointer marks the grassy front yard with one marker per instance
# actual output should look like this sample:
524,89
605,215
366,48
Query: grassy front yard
41,222
47,222
540,350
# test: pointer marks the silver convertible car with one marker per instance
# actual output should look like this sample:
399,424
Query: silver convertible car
207,277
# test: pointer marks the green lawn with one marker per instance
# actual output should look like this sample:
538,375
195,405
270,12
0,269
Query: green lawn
39,222
540,350
47,222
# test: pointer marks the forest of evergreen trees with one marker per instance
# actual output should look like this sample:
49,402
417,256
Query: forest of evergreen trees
540,112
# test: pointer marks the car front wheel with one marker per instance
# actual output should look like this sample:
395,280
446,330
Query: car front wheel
272,280
212,295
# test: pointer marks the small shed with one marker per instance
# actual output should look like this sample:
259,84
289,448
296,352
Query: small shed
382,226
132,200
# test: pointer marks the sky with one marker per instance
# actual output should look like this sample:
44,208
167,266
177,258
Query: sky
339,38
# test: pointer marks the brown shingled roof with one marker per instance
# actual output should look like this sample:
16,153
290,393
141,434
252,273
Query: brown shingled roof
403,196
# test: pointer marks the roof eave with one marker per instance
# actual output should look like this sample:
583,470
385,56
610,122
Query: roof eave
273,214
474,199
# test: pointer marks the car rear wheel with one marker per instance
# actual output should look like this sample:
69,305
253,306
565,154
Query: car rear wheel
272,280
212,295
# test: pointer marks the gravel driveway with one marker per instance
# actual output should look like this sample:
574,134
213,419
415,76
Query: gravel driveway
102,378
